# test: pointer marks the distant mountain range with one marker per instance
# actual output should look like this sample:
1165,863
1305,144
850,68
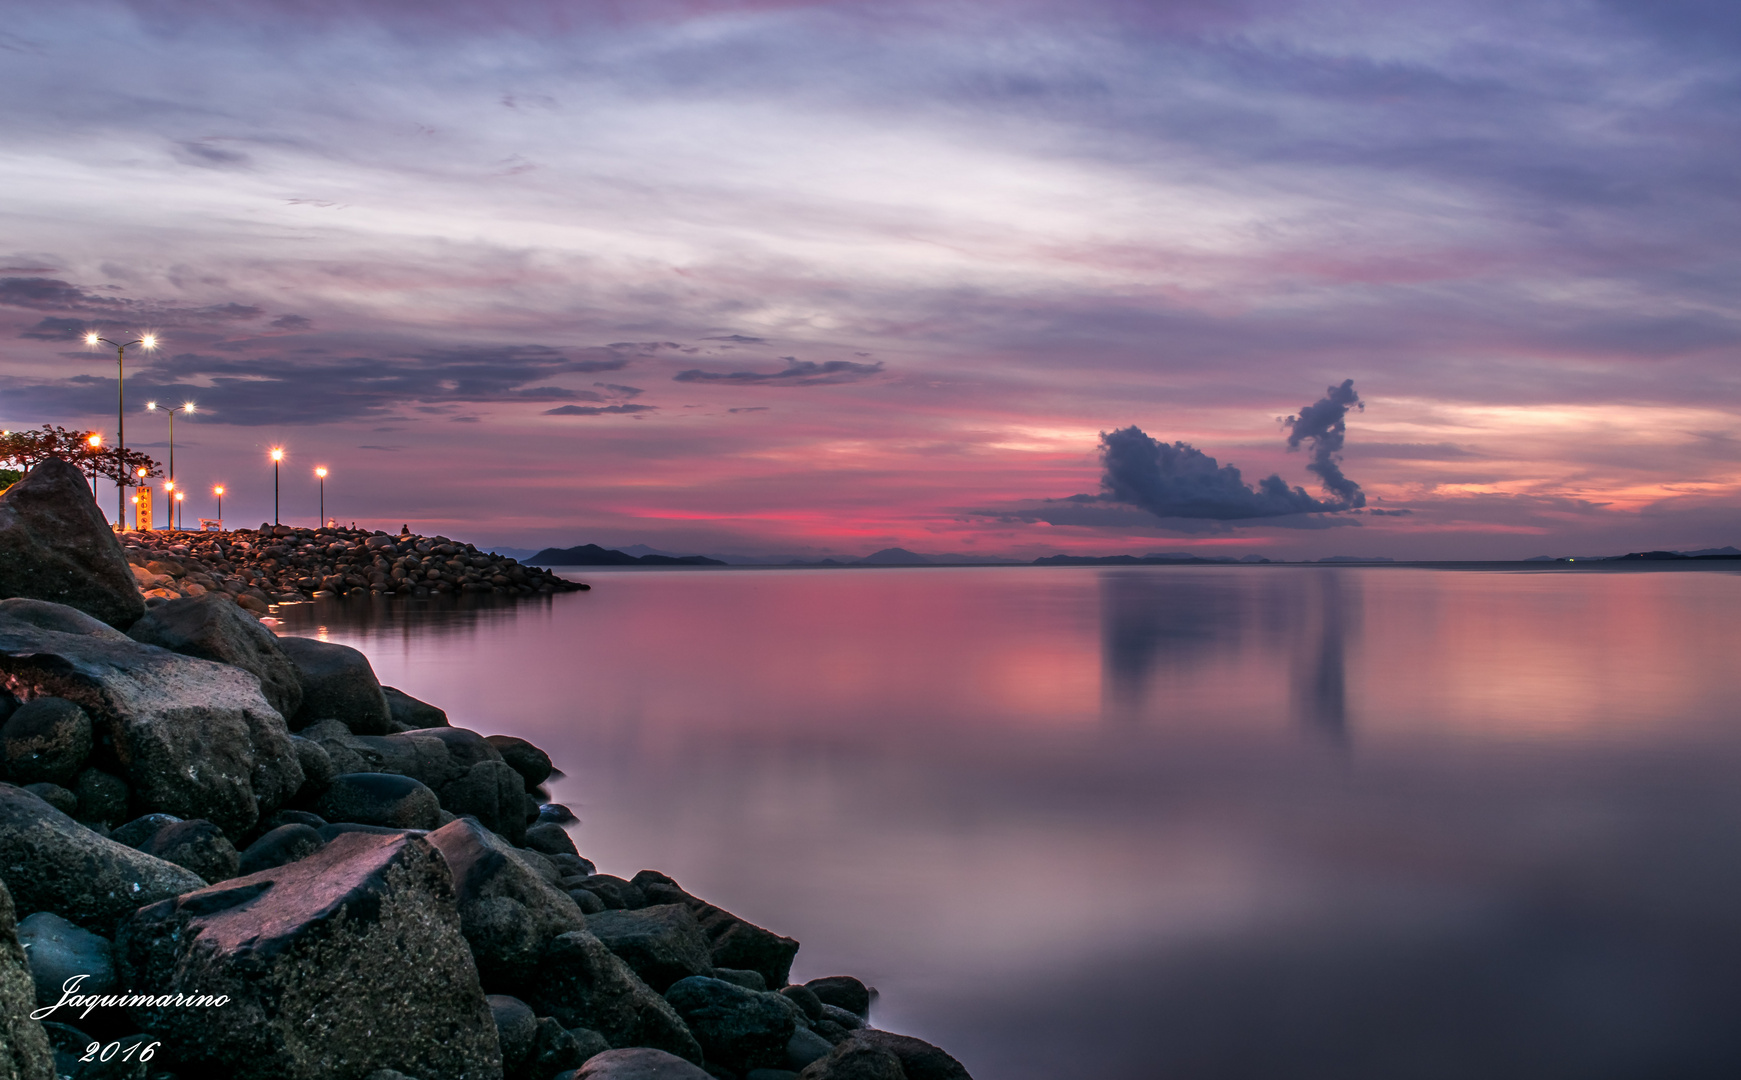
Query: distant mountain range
593,555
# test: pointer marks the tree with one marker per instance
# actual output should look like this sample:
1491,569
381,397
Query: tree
23,450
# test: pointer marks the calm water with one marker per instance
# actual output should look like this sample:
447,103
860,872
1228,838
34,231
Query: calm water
1191,822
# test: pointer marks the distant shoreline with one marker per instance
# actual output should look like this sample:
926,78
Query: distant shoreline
1732,565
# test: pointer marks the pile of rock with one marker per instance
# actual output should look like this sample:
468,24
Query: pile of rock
229,854
279,565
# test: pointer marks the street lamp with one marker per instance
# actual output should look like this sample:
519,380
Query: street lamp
219,492
188,406
95,442
320,471
179,496
169,494
150,342
277,456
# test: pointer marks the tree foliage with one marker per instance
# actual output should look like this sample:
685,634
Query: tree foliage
24,450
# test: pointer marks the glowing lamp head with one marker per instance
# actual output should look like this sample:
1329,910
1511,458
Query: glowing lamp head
169,485
141,470
95,441
92,338
151,406
180,495
321,472
217,491
277,453
187,406
148,340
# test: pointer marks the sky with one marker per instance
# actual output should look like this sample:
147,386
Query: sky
1008,278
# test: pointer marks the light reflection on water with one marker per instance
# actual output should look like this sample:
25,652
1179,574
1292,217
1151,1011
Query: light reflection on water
1166,822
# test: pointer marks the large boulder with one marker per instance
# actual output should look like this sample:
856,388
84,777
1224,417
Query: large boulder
346,962
45,742
408,712
583,984
464,770
56,545
52,863
662,944
381,799
738,1028
337,684
212,627
854,1058
59,951
637,1063
193,738
733,942
508,913
25,1053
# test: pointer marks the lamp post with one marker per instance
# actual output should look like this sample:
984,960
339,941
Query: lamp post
320,471
179,496
139,482
150,342
277,456
169,494
186,406
95,442
219,492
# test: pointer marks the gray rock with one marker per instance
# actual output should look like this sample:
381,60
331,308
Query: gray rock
854,1060
338,684
554,1050
847,1019
138,832
58,951
508,913
52,863
45,741
806,1000
25,1053
572,865
615,892
749,980
735,942
516,1027
408,711
842,990
345,962
278,847
919,1059
380,799
56,796
557,814
583,984
193,738
738,1028
639,1063
662,944
530,762
56,545
587,900
317,766
804,1047
493,793
195,845
291,817
551,839
102,797
212,627
591,1042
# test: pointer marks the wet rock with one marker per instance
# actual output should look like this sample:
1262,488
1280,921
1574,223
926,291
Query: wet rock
530,762
508,913
25,1053
56,545
138,832
550,839
662,944
277,847
345,962
102,797
737,1028
491,792
842,990
750,980
337,683
57,951
193,738
406,710
638,1063
853,1060
380,799
805,1047
317,765
56,796
919,1059
583,984
516,1026
291,817
195,845
556,814
735,942
554,1050
212,627
52,863
591,1042
616,893
587,900
45,741
845,1018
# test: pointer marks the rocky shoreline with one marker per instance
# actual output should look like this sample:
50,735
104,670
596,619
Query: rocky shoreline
229,854
283,565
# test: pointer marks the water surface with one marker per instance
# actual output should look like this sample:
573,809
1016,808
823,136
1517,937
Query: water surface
1147,823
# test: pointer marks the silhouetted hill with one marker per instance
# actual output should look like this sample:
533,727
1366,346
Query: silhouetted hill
593,555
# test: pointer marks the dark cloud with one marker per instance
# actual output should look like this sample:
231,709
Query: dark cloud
292,323
620,391
1324,424
1101,512
56,329
209,154
598,410
749,408
51,293
796,373
738,339
1177,480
